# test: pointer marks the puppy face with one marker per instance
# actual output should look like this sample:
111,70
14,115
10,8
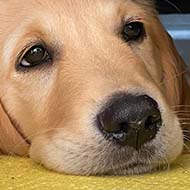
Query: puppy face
65,65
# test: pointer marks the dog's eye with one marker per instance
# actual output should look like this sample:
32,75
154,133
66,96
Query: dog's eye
133,31
34,56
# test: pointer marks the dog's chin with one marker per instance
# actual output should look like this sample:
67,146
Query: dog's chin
108,165
104,159
132,169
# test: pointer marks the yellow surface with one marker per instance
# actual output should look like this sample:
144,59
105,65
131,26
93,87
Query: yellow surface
23,174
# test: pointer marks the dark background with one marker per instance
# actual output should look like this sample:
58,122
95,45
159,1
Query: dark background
165,7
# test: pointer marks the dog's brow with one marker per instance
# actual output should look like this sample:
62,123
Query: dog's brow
17,34
11,42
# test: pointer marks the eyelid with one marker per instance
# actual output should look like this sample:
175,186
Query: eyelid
27,47
129,19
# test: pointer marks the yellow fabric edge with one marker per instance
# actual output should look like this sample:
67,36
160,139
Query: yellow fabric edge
24,174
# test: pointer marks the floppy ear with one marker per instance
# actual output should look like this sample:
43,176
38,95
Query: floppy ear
179,74
11,142
175,72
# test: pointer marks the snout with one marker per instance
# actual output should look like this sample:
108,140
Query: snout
131,134
132,120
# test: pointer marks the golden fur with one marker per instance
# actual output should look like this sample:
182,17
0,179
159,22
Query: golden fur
53,106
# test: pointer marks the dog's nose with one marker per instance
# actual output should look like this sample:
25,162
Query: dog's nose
131,120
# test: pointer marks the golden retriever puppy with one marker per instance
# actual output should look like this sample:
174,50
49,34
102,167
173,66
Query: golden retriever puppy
90,87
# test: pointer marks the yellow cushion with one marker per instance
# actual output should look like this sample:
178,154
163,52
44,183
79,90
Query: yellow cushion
23,174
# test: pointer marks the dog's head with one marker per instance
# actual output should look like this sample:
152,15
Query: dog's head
90,84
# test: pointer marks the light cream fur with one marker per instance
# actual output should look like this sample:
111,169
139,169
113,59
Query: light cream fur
54,107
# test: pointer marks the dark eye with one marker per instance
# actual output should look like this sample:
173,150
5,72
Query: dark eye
36,55
133,31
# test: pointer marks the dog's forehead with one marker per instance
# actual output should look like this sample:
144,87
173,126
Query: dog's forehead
68,4
71,7
48,15
57,13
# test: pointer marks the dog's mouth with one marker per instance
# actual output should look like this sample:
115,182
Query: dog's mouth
133,168
137,168
141,162
136,165
125,160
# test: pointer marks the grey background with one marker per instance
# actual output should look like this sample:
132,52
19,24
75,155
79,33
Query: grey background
178,26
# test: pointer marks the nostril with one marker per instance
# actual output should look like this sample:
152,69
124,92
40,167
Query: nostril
111,126
153,121
123,126
149,122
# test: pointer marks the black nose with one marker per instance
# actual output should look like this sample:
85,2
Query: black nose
130,119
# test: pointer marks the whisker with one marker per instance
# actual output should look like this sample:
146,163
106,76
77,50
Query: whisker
173,5
186,130
176,106
185,137
165,165
181,114
187,147
184,119
176,76
180,110
186,124
150,157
